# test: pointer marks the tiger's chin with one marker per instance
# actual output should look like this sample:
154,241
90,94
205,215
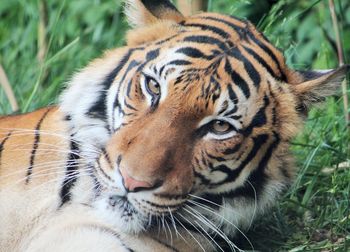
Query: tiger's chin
116,210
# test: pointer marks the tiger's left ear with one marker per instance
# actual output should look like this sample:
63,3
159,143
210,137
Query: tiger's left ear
314,86
141,13
152,20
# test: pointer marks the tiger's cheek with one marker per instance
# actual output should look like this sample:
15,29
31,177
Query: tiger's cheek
222,150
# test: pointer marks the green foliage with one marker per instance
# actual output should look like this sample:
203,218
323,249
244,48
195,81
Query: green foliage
76,32
315,214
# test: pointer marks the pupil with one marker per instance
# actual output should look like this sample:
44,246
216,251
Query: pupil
220,123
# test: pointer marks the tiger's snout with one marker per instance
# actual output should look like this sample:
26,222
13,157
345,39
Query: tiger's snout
155,156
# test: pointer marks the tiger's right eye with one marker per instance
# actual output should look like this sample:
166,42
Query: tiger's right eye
220,127
152,86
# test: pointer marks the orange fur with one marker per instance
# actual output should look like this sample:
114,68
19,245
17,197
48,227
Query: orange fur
214,68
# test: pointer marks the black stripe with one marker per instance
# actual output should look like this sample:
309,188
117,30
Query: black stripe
129,106
149,56
241,31
232,175
2,144
249,67
259,119
162,206
232,150
216,90
112,76
179,62
262,62
202,178
108,159
206,40
232,111
213,29
103,171
268,52
99,109
35,146
232,94
194,53
132,64
219,159
257,178
161,70
71,173
237,79
68,118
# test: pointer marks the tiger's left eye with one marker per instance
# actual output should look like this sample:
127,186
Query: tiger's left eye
221,127
152,86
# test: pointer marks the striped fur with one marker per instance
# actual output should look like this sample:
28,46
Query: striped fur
199,111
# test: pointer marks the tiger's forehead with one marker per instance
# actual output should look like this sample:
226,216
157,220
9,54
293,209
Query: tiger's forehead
206,37
211,57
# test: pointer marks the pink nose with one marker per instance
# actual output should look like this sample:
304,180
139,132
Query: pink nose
133,184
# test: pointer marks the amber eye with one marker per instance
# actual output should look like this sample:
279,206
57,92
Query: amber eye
221,127
152,86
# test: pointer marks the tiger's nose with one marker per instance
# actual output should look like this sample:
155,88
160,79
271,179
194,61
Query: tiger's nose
134,185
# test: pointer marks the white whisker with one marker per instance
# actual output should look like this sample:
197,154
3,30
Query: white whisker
183,226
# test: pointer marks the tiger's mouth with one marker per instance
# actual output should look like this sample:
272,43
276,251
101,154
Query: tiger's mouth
122,203
134,214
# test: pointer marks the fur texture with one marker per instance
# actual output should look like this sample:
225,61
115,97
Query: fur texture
174,142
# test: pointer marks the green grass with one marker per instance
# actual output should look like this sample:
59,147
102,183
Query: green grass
314,215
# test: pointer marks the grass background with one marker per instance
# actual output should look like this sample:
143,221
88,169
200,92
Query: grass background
314,215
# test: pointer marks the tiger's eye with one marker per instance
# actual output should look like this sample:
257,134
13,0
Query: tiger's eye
221,127
153,87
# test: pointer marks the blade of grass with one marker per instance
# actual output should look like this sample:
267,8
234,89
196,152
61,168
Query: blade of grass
4,82
42,69
40,77
340,52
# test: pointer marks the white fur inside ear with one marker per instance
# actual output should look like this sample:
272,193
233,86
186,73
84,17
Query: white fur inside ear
326,84
137,15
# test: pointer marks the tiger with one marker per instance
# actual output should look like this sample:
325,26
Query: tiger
175,141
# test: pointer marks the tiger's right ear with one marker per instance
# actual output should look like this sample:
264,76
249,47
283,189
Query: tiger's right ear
141,13
312,87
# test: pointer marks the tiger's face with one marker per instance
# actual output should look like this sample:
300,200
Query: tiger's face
192,117
199,112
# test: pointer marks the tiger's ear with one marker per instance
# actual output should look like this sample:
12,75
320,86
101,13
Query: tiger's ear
313,87
152,20
142,13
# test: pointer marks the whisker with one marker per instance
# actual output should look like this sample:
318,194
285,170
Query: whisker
53,165
215,204
194,226
24,132
183,226
171,234
163,225
212,226
173,221
223,218
255,205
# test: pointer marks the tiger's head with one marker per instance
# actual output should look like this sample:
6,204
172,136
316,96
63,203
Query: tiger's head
191,118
